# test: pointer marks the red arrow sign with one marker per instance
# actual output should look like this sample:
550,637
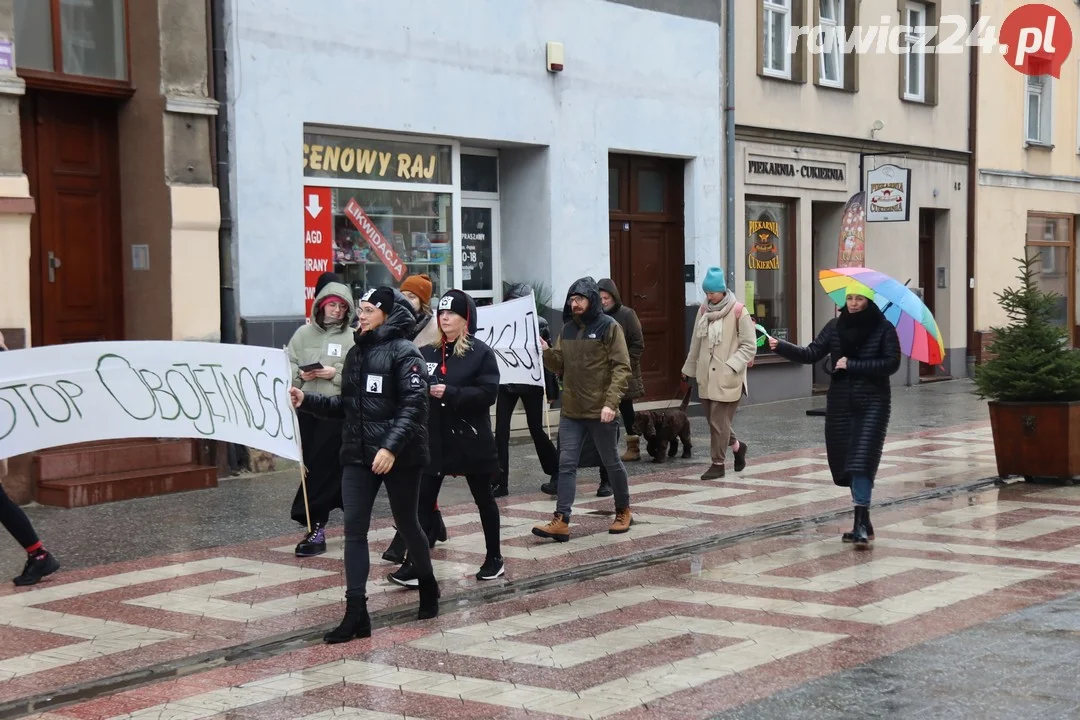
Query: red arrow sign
375,239
318,241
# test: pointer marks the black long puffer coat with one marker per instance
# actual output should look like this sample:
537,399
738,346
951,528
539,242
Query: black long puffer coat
384,394
859,401
459,426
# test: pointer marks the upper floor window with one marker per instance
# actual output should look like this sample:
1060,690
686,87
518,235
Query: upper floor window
85,39
1038,110
914,60
776,58
831,60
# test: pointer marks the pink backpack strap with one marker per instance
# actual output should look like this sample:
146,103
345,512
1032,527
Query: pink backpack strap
739,307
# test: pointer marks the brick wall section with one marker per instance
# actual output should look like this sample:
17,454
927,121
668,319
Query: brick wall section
983,338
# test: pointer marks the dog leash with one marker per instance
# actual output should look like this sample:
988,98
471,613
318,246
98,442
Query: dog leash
679,391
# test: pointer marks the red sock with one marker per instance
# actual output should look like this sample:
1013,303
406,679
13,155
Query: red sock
35,548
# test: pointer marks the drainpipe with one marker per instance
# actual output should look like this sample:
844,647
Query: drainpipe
729,137
972,185
227,294
221,171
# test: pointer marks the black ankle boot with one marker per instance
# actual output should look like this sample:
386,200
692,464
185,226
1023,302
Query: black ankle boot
860,531
429,598
396,552
356,623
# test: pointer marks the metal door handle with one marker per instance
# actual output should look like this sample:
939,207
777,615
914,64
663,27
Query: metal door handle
54,263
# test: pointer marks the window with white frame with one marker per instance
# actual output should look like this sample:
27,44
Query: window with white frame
777,52
1038,110
914,59
832,34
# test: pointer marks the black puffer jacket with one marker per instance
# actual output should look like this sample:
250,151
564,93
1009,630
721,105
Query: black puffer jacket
459,426
859,401
384,394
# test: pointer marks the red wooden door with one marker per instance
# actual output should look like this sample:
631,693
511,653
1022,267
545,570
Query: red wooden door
70,153
646,238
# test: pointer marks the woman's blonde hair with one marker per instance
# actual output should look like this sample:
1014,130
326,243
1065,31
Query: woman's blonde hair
462,345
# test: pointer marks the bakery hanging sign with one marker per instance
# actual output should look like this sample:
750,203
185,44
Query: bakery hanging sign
888,193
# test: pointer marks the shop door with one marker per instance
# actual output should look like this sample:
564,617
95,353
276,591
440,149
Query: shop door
927,269
71,158
646,244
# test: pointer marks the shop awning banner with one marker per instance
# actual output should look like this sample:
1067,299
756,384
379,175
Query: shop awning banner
512,330
84,392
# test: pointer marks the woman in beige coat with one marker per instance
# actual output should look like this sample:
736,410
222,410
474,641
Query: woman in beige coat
722,347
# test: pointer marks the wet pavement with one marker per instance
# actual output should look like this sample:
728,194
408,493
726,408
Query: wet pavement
253,507
728,599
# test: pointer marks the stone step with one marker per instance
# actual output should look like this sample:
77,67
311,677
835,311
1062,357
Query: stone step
109,457
111,487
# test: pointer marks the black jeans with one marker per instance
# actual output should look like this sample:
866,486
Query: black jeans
533,400
15,522
480,486
359,487
626,408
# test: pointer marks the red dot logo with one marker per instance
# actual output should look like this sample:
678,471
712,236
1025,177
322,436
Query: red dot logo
1036,40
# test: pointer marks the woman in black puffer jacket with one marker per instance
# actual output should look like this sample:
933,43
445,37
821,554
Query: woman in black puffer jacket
384,403
464,384
864,351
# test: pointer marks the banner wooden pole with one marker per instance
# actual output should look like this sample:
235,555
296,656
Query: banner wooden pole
303,467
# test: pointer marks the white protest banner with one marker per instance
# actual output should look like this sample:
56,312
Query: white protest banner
82,392
511,329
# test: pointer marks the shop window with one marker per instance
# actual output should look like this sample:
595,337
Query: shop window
72,41
479,173
1038,110
1050,240
770,288
416,225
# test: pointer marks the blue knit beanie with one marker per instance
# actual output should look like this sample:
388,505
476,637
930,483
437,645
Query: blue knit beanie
714,281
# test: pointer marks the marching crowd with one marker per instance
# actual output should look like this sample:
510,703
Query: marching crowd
395,392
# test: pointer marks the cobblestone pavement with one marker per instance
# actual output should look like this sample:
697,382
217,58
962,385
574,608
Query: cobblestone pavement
965,608
722,595
254,507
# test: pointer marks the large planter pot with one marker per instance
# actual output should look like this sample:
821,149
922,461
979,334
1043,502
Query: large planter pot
1036,439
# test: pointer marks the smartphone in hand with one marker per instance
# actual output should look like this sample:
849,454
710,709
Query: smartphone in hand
312,367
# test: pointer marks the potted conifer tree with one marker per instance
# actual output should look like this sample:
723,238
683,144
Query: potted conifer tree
1033,383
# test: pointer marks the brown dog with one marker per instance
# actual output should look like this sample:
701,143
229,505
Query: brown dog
663,429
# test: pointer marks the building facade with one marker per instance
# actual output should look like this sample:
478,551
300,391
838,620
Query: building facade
1028,193
108,208
503,142
815,126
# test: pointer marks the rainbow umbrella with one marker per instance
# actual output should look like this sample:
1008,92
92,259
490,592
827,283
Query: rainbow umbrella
920,338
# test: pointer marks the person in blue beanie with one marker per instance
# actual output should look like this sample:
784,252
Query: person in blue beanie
723,346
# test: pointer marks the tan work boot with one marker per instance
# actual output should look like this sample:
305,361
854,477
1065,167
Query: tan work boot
633,449
557,529
623,521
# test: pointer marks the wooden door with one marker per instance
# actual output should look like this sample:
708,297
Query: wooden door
70,153
646,243
927,269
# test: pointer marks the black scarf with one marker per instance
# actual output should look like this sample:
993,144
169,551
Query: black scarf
854,329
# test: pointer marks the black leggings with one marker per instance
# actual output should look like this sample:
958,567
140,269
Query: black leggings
359,487
15,522
480,486
533,400
626,407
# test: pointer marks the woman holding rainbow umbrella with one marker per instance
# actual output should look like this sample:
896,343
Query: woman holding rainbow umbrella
879,317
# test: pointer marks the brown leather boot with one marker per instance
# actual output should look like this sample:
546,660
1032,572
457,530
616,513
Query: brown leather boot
633,449
623,521
558,529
